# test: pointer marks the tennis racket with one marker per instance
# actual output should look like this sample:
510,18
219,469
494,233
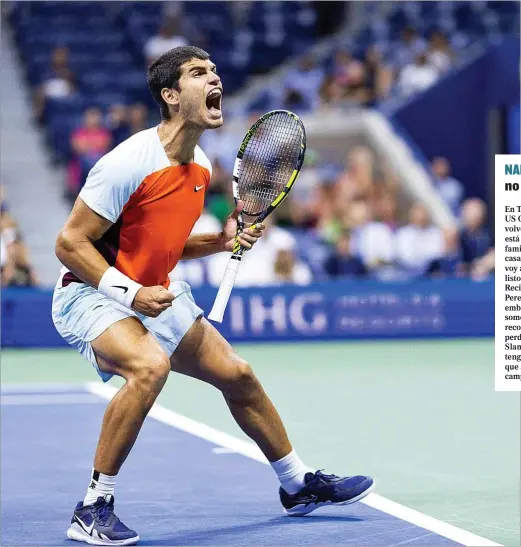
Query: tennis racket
266,168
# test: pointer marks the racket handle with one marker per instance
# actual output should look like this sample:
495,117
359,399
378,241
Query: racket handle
225,289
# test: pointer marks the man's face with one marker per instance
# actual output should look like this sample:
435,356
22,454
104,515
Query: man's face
201,94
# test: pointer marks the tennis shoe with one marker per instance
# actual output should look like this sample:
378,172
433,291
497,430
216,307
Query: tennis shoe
97,524
320,490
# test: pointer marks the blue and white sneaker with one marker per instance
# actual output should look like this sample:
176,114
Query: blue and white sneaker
320,490
98,525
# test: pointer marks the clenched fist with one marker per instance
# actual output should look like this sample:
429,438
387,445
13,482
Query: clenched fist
152,301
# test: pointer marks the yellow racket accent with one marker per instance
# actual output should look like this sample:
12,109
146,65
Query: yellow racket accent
288,186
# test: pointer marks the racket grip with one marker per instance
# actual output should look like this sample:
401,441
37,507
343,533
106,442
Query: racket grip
225,289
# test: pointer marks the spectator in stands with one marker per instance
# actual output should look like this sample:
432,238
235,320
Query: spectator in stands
330,92
287,269
371,241
58,83
339,190
439,52
15,266
89,143
475,237
450,264
417,76
329,212
419,243
449,188
348,82
407,50
117,123
357,91
344,68
356,182
342,262
378,76
302,85
137,118
8,226
18,271
168,37
484,267
386,209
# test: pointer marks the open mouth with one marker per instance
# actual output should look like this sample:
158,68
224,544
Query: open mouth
213,102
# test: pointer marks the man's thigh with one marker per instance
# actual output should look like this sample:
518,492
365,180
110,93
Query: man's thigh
97,326
204,353
113,338
125,346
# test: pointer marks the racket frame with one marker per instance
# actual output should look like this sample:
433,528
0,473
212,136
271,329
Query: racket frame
232,269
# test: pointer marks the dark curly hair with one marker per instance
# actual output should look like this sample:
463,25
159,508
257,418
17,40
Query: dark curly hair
166,71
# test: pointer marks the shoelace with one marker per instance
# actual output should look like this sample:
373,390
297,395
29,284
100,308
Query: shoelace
322,477
103,511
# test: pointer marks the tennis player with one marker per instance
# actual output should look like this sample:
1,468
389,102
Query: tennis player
113,301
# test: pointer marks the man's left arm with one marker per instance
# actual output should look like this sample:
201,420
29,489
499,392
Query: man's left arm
199,245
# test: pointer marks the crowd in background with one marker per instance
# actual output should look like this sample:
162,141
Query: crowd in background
16,269
346,221
98,131
411,65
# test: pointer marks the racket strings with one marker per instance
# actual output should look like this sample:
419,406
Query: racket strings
268,161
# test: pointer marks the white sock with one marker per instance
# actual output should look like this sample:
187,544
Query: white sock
100,485
291,472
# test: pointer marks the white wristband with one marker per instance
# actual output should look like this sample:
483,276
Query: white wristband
119,287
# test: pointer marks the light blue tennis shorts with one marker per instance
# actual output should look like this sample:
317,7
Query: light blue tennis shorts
80,314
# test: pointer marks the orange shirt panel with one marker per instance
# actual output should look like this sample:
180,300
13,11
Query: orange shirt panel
157,221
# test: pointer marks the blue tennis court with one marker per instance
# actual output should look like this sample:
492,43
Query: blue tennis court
177,488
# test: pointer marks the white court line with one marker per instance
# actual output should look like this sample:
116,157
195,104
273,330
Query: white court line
223,450
58,399
250,450
8,389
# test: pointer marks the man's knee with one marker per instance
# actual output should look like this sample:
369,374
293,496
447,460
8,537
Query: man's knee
242,384
150,372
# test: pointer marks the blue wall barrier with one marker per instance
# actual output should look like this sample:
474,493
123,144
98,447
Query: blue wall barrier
452,118
322,311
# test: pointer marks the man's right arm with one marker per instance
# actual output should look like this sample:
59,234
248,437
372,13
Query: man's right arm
75,250
75,244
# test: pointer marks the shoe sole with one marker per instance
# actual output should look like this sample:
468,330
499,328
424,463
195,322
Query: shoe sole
305,510
76,533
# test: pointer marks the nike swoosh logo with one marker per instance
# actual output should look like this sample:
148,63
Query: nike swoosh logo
125,289
197,188
87,529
